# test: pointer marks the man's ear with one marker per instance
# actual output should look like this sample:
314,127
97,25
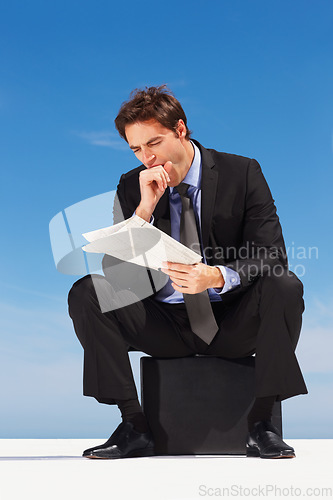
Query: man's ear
181,128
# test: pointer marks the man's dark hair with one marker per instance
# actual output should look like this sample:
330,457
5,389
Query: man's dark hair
151,103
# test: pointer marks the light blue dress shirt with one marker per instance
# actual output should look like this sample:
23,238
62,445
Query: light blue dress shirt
193,178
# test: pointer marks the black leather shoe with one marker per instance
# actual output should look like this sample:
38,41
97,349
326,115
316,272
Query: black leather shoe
264,441
125,442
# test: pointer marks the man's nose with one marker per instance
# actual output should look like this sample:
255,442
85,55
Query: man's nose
148,159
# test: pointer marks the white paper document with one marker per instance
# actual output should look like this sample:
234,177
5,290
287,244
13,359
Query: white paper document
135,240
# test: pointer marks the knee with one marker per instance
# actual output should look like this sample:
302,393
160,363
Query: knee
286,284
82,292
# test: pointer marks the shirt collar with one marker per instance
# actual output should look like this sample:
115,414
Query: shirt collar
193,176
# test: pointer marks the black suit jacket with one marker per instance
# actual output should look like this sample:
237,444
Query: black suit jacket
239,224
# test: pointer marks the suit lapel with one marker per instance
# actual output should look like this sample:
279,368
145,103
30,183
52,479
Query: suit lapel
208,193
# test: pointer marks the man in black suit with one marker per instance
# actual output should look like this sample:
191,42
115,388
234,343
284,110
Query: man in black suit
251,302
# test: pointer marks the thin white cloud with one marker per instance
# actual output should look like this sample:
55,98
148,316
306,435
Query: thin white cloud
44,400
314,351
104,138
315,346
303,416
36,333
324,309
28,291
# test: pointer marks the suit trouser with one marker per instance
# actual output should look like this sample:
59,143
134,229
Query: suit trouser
265,320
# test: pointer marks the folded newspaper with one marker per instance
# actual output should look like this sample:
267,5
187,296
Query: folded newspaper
135,240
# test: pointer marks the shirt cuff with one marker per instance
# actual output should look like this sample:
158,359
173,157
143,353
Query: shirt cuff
231,279
151,218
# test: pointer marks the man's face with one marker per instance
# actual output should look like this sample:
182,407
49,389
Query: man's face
153,145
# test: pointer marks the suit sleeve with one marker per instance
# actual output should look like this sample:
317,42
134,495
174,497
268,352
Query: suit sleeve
125,275
121,211
263,249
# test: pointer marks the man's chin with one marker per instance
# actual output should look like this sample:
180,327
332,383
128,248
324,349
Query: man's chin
173,184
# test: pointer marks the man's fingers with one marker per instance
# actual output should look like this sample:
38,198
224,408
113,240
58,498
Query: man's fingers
176,275
188,278
167,167
182,280
173,266
155,174
160,173
165,178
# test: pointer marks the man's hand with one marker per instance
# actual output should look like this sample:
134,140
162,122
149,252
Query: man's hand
153,183
193,278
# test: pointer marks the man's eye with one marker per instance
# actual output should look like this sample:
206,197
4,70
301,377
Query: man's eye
154,143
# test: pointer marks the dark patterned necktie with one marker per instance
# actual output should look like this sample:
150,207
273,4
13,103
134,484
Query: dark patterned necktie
198,306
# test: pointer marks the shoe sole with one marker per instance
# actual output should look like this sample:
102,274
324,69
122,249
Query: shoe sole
254,452
146,452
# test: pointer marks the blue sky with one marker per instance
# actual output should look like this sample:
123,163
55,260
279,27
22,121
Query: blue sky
254,77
